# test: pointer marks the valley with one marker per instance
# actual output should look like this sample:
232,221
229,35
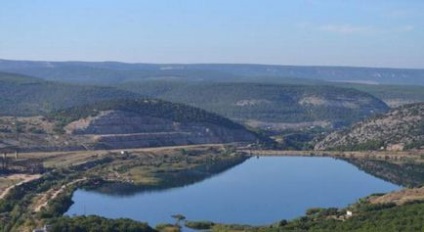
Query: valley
150,134
211,116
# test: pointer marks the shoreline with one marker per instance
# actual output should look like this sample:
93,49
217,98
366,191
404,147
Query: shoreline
159,153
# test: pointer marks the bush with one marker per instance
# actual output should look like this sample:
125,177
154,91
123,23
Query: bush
200,225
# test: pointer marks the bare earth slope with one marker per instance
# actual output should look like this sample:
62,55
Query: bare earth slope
121,129
120,125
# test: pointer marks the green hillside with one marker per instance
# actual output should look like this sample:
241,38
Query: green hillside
145,107
268,103
393,95
25,96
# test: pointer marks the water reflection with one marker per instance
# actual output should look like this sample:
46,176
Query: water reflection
259,191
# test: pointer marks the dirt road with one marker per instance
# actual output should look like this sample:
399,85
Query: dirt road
25,178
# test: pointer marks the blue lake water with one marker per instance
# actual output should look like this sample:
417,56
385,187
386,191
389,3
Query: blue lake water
258,191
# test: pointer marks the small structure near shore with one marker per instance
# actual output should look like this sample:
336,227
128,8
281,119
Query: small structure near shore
46,228
395,147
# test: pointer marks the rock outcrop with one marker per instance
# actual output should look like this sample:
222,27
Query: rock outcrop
401,128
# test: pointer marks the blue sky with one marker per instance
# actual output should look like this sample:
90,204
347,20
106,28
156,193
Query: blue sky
377,33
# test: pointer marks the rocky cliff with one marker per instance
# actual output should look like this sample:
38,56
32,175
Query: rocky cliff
119,125
121,129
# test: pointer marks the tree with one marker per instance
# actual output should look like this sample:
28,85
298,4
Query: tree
179,218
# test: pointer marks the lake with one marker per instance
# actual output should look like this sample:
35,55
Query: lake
258,191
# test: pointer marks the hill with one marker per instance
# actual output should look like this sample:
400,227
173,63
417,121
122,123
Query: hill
27,96
276,107
121,124
115,72
392,95
258,105
401,128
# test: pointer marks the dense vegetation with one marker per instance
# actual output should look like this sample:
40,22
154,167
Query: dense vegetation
21,95
380,217
14,208
146,107
24,96
266,102
95,223
393,95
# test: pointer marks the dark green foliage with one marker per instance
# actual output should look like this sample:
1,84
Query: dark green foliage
14,207
239,101
199,225
58,206
384,217
376,207
27,96
366,146
95,223
266,102
145,107
393,95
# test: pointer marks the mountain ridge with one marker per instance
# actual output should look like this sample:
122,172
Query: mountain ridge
117,72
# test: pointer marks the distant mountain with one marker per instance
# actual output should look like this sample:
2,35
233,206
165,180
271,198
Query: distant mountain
115,72
269,105
24,96
401,128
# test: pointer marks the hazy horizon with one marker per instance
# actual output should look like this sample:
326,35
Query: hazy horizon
210,63
382,34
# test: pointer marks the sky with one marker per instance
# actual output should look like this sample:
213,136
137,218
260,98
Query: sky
376,33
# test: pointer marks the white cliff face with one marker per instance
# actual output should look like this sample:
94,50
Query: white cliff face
120,129
116,129
119,122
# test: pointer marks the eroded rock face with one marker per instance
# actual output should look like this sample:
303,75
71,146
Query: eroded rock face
116,129
120,122
120,129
